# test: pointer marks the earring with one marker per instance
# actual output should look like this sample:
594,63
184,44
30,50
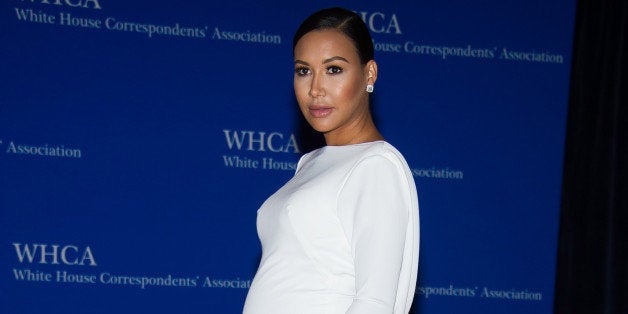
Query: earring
369,88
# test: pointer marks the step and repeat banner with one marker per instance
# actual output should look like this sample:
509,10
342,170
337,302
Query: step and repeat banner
139,138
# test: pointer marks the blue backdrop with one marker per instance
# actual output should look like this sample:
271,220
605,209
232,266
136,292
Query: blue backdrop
138,139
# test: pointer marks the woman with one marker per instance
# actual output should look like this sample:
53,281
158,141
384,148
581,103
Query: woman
342,235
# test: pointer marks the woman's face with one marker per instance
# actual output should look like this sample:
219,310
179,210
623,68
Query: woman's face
330,83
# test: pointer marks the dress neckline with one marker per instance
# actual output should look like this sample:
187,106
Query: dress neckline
354,145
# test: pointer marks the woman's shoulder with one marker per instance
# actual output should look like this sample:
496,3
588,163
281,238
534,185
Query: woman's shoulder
385,150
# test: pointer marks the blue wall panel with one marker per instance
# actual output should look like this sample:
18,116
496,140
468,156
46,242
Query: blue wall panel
137,141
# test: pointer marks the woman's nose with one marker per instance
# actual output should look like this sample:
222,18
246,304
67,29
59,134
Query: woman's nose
316,86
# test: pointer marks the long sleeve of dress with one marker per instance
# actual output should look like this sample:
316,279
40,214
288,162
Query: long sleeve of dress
374,206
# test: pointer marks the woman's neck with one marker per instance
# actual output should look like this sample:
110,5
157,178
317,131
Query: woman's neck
363,133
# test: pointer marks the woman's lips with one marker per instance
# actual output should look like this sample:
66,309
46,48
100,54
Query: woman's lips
319,111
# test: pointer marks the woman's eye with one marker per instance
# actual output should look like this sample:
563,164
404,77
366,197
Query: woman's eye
334,70
301,71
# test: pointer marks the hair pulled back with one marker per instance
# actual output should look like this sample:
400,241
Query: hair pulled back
343,20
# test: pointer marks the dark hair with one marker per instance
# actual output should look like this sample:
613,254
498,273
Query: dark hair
348,22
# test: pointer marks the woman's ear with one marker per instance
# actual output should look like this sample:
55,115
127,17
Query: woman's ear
371,75
371,72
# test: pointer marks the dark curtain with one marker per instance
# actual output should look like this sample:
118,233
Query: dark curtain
592,268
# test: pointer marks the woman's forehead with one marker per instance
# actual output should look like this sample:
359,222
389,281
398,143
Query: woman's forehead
325,44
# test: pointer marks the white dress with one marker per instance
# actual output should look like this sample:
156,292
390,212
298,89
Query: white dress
342,236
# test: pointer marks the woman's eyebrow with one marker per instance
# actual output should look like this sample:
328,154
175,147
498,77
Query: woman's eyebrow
324,61
334,59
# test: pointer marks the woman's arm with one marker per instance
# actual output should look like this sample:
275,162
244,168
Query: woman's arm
374,209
